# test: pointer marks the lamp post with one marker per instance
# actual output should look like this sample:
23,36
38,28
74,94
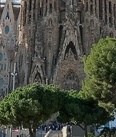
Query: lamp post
14,74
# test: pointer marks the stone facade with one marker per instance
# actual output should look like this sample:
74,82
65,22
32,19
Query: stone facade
9,28
56,34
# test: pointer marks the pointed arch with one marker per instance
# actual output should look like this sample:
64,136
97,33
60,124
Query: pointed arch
36,74
38,78
70,49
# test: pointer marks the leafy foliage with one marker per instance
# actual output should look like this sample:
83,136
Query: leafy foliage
100,68
30,106
82,111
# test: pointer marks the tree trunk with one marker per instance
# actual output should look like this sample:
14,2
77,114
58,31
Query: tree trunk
105,135
32,132
110,133
86,134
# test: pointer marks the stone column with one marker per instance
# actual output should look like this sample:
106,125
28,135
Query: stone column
107,6
48,9
27,18
37,10
111,14
32,12
97,8
89,6
103,11
22,13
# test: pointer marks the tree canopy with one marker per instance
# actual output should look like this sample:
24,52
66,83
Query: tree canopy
100,69
30,106
80,111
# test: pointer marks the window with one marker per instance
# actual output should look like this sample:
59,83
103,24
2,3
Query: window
86,9
55,7
96,8
30,4
100,9
91,6
50,8
110,7
4,66
105,9
1,66
34,5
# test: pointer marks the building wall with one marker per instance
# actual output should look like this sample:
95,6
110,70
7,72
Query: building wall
8,39
56,34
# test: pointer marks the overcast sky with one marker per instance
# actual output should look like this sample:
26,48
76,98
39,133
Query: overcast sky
13,0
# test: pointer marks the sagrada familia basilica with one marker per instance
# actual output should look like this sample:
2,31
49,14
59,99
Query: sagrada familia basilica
44,41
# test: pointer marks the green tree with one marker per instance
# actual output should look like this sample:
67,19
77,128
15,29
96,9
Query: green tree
30,106
100,69
81,111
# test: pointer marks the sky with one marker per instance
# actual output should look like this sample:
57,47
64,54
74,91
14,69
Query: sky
13,0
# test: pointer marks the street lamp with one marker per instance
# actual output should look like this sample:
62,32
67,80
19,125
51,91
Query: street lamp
14,74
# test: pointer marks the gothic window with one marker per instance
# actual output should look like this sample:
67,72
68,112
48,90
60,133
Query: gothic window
110,7
40,11
4,66
105,8
81,34
111,34
114,10
30,4
55,7
46,10
7,15
50,8
34,5
60,33
70,51
62,11
91,6
100,9
38,78
96,7
41,8
86,8
1,56
110,16
100,30
110,21
72,2
1,66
